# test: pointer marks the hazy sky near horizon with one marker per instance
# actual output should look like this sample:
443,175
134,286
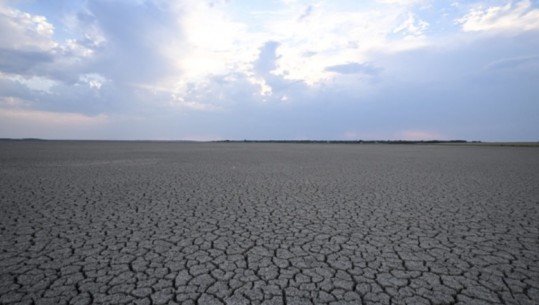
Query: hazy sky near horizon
275,69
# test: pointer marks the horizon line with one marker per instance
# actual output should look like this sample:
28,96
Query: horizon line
319,141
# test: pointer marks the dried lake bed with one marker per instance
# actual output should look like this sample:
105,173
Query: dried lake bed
253,223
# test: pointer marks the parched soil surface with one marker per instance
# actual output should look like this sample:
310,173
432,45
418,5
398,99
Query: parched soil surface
222,223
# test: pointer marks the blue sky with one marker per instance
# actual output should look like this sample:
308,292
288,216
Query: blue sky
275,69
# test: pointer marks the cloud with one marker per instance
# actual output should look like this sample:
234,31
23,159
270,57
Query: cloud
28,48
98,65
25,41
525,62
207,51
12,102
132,51
22,31
519,16
90,95
267,59
23,62
306,13
333,34
401,2
160,69
53,118
353,68
163,47
18,119
411,26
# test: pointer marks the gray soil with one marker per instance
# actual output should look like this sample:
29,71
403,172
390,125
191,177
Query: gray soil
245,223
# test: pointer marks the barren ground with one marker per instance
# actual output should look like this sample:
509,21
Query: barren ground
218,223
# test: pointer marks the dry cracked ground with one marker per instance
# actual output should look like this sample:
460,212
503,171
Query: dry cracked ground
244,223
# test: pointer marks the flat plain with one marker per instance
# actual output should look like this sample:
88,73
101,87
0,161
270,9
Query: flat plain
252,223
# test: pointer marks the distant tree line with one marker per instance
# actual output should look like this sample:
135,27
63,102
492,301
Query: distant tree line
349,141
296,141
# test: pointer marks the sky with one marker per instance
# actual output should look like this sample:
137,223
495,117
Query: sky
274,69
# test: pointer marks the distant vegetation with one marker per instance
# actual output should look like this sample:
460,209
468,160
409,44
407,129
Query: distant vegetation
456,142
351,141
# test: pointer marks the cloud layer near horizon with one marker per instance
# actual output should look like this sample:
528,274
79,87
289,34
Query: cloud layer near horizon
279,70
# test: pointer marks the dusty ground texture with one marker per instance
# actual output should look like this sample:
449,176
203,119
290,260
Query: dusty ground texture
158,223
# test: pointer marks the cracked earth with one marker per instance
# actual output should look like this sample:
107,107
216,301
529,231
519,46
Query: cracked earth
186,223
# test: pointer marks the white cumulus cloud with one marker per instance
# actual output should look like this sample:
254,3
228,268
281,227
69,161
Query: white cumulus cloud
23,31
514,16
